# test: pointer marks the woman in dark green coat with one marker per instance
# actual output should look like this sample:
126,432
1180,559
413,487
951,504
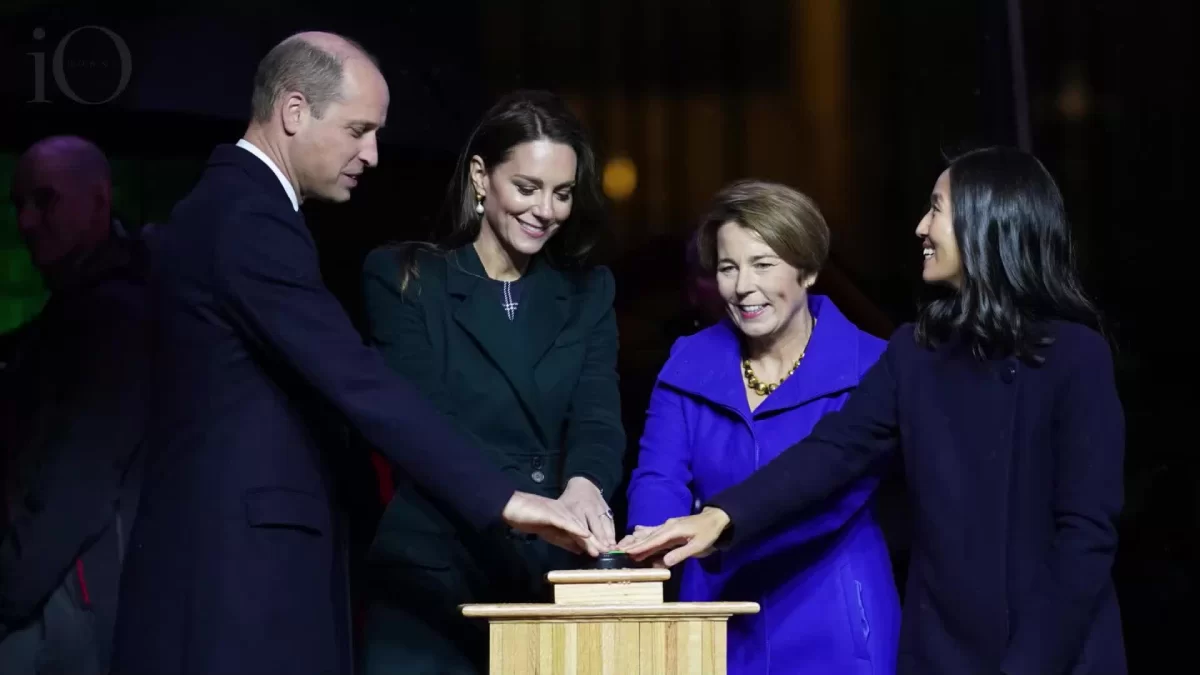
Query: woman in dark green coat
509,331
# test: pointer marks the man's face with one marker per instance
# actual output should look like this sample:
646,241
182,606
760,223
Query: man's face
331,152
60,211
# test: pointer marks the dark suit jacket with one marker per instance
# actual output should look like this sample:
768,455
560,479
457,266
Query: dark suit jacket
543,385
236,564
539,392
73,406
1015,473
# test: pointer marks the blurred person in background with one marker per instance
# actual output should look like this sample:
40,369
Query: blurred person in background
73,406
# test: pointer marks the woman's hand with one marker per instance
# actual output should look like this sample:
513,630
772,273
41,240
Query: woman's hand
583,499
550,520
688,537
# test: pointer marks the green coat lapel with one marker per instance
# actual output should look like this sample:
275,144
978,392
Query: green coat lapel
545,308
515,347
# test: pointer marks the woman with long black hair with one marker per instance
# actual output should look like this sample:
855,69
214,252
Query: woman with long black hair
1001,399
507,325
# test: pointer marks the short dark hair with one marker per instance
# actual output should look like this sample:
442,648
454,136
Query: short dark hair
1018,259
787,220
298,65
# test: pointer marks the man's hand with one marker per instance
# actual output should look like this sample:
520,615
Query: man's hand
688,537
550,520
586,502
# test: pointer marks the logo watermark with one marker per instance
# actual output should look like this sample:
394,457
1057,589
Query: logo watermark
59,62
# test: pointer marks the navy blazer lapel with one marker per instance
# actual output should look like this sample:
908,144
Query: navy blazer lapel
479,312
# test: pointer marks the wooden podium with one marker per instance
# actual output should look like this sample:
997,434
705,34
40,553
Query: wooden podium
608,622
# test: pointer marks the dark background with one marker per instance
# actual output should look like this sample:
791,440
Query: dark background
854,102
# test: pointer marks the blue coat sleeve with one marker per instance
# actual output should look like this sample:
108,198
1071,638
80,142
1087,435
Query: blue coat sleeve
843,446
1054,616
274,295
660,487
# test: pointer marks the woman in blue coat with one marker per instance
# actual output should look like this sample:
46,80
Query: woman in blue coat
732,397
1002,401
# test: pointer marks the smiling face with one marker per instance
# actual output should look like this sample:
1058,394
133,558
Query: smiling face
763,294
939,246
527,197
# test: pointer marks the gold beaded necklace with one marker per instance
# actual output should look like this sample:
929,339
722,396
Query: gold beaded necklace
761,388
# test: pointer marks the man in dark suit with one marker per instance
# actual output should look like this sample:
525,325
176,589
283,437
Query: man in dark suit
73,387
237,563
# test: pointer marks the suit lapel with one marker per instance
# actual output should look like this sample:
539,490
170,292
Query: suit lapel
541,318
510,346
544,310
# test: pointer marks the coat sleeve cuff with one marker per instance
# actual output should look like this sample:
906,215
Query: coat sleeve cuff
590,472
489,508
732,534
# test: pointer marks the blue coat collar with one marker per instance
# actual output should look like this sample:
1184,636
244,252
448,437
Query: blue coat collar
707,365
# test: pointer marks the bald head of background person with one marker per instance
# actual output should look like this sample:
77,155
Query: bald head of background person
62,192
319,100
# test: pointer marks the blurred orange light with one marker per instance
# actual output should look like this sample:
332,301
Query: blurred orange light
619,178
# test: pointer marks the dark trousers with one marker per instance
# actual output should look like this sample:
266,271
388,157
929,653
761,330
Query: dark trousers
414,623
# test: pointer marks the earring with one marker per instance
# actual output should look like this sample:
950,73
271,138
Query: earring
479,205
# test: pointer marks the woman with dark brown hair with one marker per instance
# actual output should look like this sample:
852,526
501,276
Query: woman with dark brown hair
507,326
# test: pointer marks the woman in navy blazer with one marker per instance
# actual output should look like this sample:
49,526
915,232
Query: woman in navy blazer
1002,400
508,329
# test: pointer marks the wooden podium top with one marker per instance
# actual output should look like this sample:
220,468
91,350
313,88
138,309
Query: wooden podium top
608,621
636,575
613,595
673,610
